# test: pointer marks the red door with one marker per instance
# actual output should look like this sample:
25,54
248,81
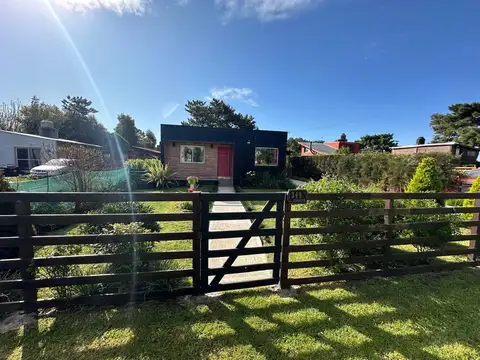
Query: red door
224,161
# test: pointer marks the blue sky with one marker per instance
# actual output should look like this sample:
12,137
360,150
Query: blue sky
315,68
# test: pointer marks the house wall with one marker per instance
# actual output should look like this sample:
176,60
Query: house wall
303,152
354,147
206,171
9,141
423,149
243,142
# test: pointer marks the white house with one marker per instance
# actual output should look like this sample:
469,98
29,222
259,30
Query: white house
27,151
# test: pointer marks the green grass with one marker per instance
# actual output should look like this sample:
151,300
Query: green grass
430,316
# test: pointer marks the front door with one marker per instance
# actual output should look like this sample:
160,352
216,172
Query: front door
224,161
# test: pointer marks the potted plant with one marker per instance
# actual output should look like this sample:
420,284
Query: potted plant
193,182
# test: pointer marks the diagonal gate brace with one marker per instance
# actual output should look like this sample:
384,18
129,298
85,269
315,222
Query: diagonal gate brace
243,242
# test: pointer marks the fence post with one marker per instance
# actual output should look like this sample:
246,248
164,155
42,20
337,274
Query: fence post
278,239
24,226
475,230
285,245
197,239
204,244
388,220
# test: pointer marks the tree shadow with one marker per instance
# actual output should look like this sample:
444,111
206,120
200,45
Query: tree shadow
375,319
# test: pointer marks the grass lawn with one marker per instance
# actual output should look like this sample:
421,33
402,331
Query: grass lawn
432,316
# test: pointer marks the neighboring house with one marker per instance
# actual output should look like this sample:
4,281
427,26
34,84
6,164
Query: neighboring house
26,151
137,152
328,148
315,148
467,154
216,153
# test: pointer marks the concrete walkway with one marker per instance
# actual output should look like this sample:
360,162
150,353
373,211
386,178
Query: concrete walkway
297,182
218,244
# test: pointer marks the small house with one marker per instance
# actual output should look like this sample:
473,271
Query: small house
219,153
25,151
467,154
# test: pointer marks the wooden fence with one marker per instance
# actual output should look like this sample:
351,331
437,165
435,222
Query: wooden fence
205,279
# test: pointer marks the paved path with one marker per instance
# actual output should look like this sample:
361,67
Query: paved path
217,244
298,182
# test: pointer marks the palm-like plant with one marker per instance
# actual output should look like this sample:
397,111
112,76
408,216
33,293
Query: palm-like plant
160,174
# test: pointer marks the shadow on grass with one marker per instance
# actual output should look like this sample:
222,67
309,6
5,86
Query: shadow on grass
431,316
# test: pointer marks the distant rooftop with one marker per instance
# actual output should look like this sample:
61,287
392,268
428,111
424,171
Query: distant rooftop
319,147
49,138
436,144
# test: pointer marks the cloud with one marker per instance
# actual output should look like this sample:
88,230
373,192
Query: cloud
137,7
264,10
182,2
169,109
228,93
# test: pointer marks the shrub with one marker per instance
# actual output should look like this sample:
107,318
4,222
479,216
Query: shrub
267,180
119,208
159,174
388,171
427,177
450,228
140,164
134,248
339,186
51,208
471,202
186,206
51,272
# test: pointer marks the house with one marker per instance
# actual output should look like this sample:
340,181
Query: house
217,153
328,148
467,154
26,151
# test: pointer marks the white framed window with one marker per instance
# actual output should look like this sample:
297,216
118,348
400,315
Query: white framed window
192,154
27,158
266,156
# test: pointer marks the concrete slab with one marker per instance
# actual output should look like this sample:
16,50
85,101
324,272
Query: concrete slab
220,244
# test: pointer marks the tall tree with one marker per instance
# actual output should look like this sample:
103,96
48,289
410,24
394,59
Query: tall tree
217,114
461,124
33,114
377,142
293,146
10,116
420,140
80,122
146,139
126,128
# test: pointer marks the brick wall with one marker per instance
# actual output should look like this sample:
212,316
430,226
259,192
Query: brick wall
422,149
206,171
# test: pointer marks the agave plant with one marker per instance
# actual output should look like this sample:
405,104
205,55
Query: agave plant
160,174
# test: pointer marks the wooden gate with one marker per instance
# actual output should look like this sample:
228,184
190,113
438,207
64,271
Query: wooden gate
213,277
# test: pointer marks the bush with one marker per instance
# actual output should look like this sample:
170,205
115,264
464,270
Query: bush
340,186
427,177
119,208
159,174
388,171
267,180
133,248
444,232
140,164
51,208
186,206
471,202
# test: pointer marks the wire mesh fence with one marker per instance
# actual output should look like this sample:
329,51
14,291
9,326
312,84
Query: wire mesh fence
108,180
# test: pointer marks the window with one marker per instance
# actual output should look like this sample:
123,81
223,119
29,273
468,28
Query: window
471,153
266,156
192,154
28,158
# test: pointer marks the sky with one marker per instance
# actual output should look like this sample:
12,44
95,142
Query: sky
314,68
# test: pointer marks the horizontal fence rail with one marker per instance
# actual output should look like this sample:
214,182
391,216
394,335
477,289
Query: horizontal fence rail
287,237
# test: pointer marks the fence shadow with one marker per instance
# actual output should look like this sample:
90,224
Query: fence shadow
415,317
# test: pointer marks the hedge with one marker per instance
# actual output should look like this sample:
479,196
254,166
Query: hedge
390,172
